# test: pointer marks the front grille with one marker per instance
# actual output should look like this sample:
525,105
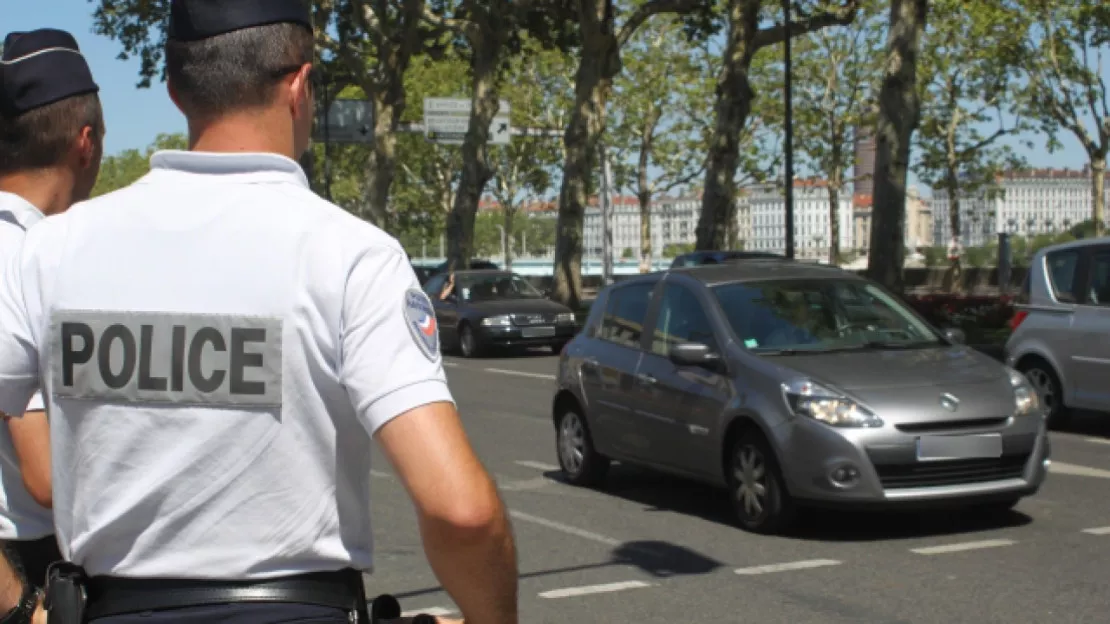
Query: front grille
533,319
952,472
953,425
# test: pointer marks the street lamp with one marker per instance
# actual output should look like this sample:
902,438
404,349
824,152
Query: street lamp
788,138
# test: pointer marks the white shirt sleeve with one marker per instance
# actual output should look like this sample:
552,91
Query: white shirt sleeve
390,361
19,355
37,404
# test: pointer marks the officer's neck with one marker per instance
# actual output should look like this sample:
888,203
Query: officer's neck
50,190
266,132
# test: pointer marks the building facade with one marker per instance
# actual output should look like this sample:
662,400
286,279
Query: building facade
812,231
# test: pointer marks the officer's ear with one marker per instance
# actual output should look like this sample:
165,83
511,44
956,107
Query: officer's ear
300,91
88,147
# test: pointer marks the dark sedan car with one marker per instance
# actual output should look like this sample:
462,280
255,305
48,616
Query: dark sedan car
485,309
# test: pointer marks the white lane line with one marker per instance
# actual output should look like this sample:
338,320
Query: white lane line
786,567
586,590
381,475
1098,531
962,546
502,371
565,528
446,363
1076,470
436,611
1097,440
535,464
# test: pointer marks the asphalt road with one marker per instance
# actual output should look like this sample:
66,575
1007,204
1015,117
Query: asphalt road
649,548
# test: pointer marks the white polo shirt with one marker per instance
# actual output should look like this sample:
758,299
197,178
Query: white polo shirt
21,518
218,345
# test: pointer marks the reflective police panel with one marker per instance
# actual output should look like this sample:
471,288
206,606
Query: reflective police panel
176,358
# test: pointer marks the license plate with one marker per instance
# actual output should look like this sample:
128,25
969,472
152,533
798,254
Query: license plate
939,448
537,332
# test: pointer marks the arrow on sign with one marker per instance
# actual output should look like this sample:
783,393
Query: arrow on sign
502,128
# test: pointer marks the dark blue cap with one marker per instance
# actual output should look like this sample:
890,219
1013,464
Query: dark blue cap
192,20
41,67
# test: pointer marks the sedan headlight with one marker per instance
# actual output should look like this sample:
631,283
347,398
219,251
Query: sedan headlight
806,398
501,320
565,318
1026,401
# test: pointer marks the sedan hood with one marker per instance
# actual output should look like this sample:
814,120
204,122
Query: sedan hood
914,368
517,306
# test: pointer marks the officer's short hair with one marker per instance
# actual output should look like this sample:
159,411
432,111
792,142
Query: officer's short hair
41,137
236,70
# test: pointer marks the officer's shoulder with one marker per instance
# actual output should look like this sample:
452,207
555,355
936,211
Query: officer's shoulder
336,224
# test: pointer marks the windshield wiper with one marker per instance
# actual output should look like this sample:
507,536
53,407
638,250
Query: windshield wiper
882,344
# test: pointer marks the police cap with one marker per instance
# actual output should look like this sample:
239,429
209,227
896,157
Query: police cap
41,67
192,20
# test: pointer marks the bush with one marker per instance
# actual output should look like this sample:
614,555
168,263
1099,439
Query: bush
984,319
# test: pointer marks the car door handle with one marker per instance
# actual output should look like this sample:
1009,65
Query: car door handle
645,379
589,363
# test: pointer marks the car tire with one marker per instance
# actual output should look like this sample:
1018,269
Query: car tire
470,346
580,462
1049,389
756,486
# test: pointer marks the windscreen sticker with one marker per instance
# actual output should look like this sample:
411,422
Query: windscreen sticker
751,343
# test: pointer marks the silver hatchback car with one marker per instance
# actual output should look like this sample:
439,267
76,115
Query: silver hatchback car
793,385
1061,328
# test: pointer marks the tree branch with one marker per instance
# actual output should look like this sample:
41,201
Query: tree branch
840,16
649,9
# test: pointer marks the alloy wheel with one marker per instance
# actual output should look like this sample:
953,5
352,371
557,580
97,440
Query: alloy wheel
750,473
1045,386
572,443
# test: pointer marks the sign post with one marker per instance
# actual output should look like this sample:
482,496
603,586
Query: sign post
446,121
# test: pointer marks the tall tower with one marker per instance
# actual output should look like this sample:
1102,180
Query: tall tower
865,161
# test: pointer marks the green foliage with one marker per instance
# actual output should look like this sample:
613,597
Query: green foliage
125,168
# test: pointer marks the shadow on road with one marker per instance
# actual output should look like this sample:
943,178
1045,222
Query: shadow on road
658,492
1094,424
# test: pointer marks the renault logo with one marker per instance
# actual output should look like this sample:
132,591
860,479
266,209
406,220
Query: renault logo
949,402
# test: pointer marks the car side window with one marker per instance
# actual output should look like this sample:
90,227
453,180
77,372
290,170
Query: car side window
1098,293
625,313
1063,267
681,319
434,286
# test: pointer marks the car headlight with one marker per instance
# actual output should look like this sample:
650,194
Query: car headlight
806,398
1026,401
564,318
496,321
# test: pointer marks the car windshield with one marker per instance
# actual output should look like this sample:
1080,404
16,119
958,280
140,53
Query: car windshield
496,286
791,316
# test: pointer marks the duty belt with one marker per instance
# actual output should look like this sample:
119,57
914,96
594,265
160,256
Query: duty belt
111,596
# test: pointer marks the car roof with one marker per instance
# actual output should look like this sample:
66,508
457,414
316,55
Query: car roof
1075,244
759,269
470,272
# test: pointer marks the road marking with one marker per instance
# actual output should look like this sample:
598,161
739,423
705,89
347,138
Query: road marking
586,590
381,475
535,483
502,371
962,546
1098,531
436,611
446,363
535,464
1098,440
786,567
565,528
1076,470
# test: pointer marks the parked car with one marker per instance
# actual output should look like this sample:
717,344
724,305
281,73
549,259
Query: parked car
793,385
1061,327
700,258
489,308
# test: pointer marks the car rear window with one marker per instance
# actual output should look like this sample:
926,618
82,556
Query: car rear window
1062,268
625,313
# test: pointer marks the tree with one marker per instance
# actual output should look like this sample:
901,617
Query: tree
125,168
1063,61
601,39
368,43
899,115
969,84
837,79
662,74
744,38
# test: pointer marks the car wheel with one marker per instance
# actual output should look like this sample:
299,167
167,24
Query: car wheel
469,345
579,460
758,492
1049,389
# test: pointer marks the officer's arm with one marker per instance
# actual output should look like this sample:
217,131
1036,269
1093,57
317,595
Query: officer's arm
392,369
19,354
31,439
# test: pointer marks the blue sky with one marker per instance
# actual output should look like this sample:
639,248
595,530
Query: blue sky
136,116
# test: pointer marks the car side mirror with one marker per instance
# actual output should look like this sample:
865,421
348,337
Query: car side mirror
693,354
955,335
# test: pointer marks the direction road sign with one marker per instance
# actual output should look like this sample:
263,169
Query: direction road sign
348,121
447,119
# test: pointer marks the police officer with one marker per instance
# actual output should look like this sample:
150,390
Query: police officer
51,133
219,346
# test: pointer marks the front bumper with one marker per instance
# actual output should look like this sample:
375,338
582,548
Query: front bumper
887,472
518,336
